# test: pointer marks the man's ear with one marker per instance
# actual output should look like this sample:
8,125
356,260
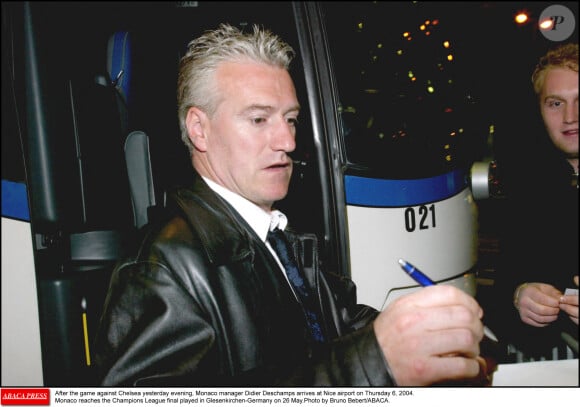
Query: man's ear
196,123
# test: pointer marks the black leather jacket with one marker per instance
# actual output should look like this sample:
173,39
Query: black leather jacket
203,303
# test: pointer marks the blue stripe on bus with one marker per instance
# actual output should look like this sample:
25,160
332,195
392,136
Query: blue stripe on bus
121,61
15,200
375,192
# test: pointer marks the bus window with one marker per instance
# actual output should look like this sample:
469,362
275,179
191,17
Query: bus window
406,111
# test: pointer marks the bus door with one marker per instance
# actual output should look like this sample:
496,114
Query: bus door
399,134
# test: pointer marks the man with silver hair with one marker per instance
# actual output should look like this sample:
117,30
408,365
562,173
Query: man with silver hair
206,300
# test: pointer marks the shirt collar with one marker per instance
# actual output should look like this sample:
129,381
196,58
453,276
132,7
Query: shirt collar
258,219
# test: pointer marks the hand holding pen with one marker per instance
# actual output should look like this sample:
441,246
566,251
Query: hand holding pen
432,336
425,281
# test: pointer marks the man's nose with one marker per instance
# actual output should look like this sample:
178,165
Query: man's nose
284,137
571,113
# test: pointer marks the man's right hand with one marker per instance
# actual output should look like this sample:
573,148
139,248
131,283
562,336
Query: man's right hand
431,336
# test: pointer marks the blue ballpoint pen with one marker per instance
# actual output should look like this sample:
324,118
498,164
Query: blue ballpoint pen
425,281
416,274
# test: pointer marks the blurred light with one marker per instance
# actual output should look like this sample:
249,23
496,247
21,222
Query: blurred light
452,134
446,146
446,44
435,22
427,22
360,26
546,24
448,110
430,89
379,46
399,52
521,17
410,74
422,27
450,57
448,157
427,33
406,34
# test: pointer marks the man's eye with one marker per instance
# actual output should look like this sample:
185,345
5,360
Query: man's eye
258,120
293,121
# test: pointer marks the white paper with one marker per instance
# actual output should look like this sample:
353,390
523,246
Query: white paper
537,374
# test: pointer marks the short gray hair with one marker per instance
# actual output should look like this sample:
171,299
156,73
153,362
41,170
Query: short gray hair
195,84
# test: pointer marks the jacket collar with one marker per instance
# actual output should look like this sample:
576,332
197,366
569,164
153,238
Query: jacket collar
224,234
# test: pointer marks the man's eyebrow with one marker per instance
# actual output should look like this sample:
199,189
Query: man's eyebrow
554,96
268,108
293,109
258,107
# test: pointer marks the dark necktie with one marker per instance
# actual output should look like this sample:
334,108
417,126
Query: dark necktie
282,247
